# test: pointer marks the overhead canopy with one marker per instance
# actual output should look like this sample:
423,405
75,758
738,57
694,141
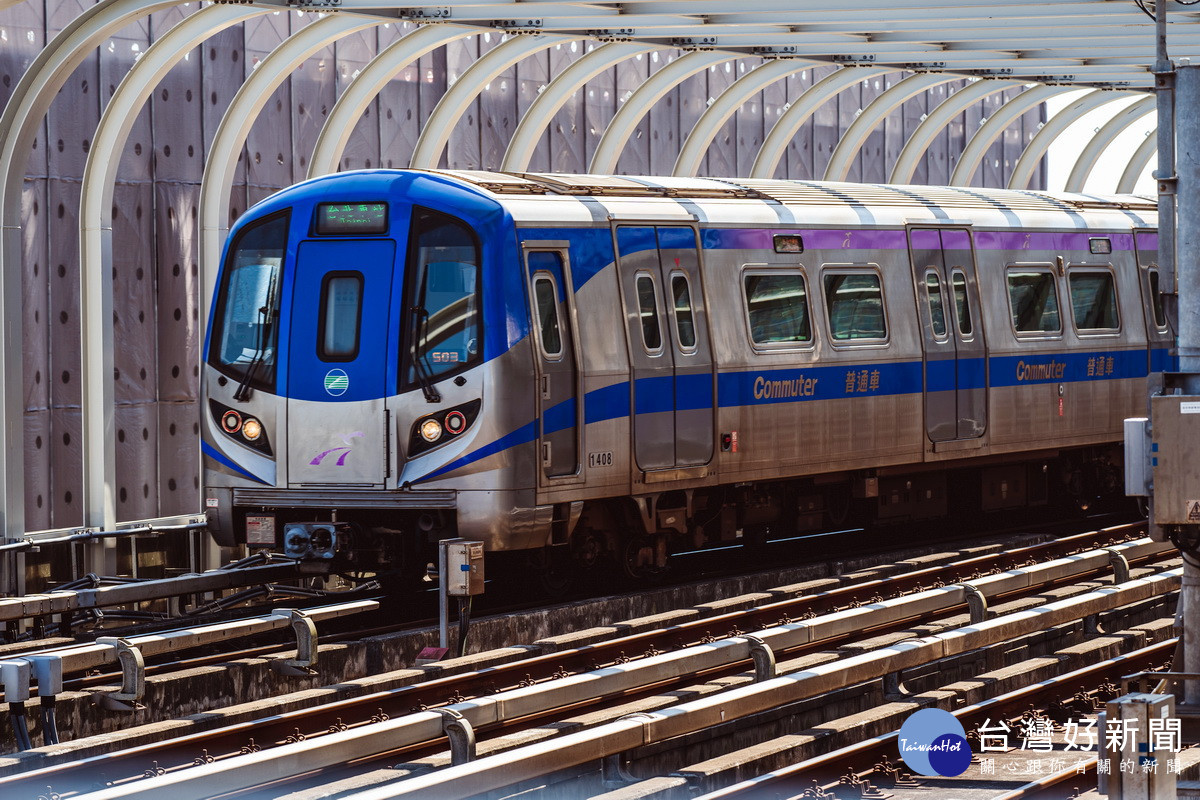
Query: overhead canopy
1101,43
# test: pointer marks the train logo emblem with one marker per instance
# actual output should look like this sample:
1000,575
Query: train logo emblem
336,382
932,742
345,450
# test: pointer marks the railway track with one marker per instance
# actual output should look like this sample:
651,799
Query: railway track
599,674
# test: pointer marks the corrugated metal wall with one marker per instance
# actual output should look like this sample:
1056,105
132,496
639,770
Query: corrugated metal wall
155,204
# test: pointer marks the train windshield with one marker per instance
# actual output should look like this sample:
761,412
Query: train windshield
443,297
245,330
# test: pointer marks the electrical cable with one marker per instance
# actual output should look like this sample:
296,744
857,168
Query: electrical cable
464,623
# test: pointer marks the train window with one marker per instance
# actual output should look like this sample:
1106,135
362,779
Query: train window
1093,300
685,325
1160,315
341,309
777,306
245,333
962,306
854,302
648,312
443,324
545,294
1034,300
937,313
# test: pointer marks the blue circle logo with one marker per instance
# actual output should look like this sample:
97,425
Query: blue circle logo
336,382
932,742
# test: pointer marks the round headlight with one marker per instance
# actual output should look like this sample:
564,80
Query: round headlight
231,421
252,430
456,423
431,430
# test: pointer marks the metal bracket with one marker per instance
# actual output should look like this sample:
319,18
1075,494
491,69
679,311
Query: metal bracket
612,34
613,773
977,602
1093,626
691,43
1119,564
893,685
303,665
461,735
133,677
764,659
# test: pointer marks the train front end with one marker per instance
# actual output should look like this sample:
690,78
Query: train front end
358,331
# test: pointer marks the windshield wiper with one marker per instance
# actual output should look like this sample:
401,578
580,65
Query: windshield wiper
266,311
421,368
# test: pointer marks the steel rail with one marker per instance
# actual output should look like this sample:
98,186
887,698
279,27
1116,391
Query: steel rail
294,759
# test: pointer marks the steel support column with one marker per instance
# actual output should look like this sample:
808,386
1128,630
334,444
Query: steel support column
936,121
852,141
800,110
558,91
616,135
449,110
235,126
725,106
1054,127
95,254
349,108
976,149
1137,164
1096,146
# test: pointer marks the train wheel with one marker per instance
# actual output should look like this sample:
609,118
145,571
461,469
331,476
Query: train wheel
555,570
644,559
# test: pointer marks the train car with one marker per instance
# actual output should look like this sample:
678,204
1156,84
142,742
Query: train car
599,369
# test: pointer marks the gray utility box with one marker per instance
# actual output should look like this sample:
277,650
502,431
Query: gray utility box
1175,458
464,567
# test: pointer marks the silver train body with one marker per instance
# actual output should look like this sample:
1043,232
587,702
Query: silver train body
629,365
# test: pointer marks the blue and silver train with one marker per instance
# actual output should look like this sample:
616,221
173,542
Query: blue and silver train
613,368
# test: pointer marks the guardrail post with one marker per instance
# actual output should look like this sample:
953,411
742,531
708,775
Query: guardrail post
1120,564
133,677
461,735
304,664
764,659
976,602
15,676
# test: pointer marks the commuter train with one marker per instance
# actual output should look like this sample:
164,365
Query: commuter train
600,369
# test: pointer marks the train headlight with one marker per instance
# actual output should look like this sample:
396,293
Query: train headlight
431,430
252,430
456,423
231,421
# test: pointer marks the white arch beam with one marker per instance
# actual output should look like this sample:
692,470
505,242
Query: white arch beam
1096,146
616,135
936,121
799,112
855,137
1054,128
976,149
235,126
349,108
725,106
1137,163
454,103
95,245
558,91
19,126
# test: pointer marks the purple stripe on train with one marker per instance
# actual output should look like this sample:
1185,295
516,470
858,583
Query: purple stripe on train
923,238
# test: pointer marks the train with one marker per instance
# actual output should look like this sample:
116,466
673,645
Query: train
588,369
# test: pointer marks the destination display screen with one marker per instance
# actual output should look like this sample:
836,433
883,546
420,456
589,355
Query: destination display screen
342,219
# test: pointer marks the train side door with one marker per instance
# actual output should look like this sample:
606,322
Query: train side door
552,303
670,354
1159,338
955,352
338,353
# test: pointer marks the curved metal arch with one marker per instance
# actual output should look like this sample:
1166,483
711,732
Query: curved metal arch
454,102
95,242
1054,127
687,164
1096,146
556,94
349,108
976,149
936,121
799,112
620,128
235,126
1137,163
19,125
855,137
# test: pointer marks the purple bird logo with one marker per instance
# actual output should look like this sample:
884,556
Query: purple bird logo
345,450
